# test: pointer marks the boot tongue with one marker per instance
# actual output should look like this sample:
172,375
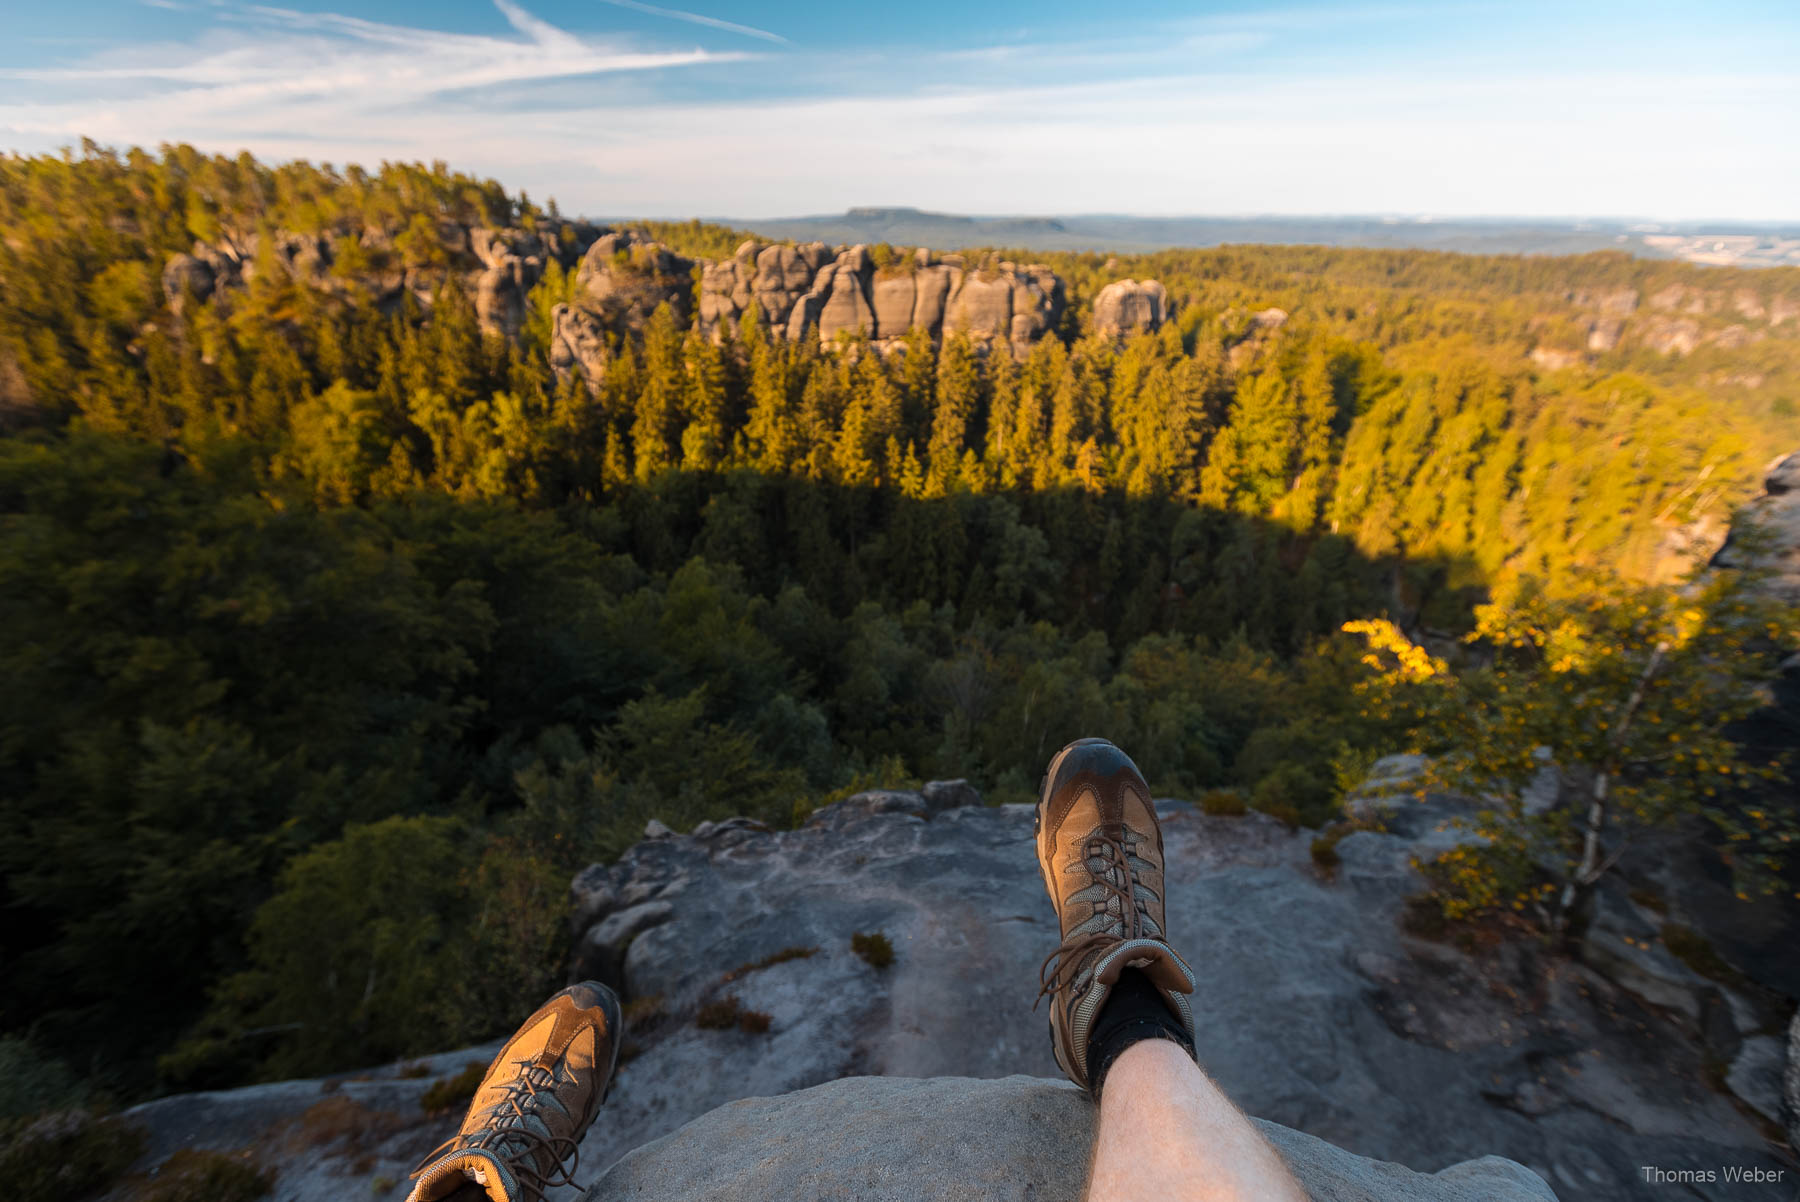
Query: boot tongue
1155,961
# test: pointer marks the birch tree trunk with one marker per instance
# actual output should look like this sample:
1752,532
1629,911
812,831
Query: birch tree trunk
1579,888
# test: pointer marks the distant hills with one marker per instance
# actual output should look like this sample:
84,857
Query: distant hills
1715,244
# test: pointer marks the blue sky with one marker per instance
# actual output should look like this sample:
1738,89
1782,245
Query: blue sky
754,109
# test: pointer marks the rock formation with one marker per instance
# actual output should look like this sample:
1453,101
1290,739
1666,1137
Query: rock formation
886,1139
1126,306
812,290
1318,1013
807,291
1766,534
497,267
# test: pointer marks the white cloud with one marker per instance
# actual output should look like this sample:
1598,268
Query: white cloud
676,14
1192,139
346,81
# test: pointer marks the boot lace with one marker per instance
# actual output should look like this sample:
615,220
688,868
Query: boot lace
509,1137
1117,877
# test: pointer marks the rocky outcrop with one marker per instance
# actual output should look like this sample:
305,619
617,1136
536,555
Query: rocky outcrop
1317,1013
1766,532
1320,1014
1127,306
624,278
883,1139
813,291
497,267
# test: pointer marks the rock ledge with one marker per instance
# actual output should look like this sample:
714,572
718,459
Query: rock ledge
1018,1137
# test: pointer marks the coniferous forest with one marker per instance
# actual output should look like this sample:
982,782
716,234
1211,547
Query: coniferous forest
337,635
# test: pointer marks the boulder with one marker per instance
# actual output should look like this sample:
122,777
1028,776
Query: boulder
982,307
500,293
894,299
1755,1075
577,344
803,318
932,287
1126,306
847,308
941,795
884,1138
624,277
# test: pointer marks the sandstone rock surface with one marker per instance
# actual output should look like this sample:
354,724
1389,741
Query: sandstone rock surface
889,1139
1318,1012
1766,534
1125,306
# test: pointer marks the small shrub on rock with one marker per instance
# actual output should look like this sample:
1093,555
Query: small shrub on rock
448,1093
64,1155
873,947
753,1022
191,1175
721,1015
640,1012
1223,803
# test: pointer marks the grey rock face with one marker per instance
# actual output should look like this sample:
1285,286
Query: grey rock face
1756,1072
1791,1083
950,795
577,343
1129,305
813,291
884,1138
1774,517
624,278
1317,1013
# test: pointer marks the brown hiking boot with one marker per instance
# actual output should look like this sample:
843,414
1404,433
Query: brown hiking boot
1100,851
532,1108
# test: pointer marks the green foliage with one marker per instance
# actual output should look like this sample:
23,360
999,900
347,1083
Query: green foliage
1632,691
65,1154
191,1175
31,1082
309,603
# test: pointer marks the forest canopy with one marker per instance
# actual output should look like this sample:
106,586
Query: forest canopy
300,591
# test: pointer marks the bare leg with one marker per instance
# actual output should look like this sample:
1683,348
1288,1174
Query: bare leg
1168,1135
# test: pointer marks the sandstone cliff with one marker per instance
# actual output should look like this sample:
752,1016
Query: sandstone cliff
811,291
1319,1013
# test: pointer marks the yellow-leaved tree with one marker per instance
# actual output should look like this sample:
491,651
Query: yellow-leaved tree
1632,692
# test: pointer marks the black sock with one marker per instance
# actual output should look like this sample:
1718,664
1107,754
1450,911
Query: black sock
1134,1010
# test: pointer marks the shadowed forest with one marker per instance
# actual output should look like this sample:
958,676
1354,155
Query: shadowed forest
338,635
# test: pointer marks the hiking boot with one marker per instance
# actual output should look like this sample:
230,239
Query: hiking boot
530,1111
1100,851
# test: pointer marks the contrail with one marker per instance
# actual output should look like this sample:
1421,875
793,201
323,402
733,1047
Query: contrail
697,19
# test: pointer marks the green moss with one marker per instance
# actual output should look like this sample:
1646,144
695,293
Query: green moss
873,947
448,1093
1692,949
769,961
721,1015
